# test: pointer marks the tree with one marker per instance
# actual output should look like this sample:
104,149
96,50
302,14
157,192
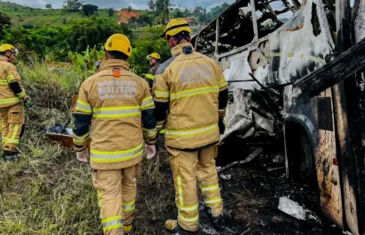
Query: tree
91,32
177,13
152,5
49,6
198,11
73,5
89,9
111,12
5,21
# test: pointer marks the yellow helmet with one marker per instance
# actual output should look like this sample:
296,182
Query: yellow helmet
153,55
176,26
119,42
7,47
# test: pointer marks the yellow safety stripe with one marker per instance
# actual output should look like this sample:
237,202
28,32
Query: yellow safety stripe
111,219
10,141
188,208
150,76
9,100
159,125
194,219
86,136
180,190
194,92
116,156
192,132
14,136
162,132
162,94
117,112
147,103
223,83
80,142
112,223
21,94
129,203
150,132
213,201
129,207
208,188
100,194
11,78
3,82
115,226
83,107
15,131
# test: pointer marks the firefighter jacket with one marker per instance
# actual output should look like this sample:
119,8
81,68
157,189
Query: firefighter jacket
117,107
11,90
150,76
191,91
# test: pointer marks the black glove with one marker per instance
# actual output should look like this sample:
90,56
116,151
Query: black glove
222,126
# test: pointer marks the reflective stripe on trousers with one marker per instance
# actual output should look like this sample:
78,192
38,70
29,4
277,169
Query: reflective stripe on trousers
116,156
192,132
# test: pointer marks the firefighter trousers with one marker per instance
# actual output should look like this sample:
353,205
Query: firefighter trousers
190,168
12,125
116,191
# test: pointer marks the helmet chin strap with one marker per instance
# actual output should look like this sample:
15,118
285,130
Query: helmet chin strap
172,42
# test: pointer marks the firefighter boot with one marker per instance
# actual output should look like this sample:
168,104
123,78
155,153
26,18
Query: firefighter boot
174,227
217,221
11,156
127,229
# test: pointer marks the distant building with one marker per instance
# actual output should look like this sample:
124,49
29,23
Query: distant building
192,22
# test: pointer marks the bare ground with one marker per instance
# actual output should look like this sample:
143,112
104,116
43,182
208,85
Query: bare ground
250,192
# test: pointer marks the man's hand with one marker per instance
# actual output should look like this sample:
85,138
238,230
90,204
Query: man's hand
28,103
83,156
151,151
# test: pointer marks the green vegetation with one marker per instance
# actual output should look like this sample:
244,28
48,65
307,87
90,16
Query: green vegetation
31,17
49,192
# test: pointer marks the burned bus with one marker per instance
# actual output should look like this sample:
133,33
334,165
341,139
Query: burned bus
265,49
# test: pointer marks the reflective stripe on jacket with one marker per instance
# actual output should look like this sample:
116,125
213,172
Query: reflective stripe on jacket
190,84
8,74
120,108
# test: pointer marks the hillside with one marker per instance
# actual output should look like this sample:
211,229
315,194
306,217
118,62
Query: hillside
23,15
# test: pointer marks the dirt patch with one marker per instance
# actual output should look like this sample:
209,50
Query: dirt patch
251,195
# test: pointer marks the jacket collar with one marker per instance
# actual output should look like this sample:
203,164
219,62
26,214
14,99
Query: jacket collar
114,63
4,58
179,48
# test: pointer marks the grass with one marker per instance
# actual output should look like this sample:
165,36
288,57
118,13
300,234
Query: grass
49,191
22,15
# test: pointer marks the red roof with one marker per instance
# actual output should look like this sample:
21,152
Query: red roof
126,15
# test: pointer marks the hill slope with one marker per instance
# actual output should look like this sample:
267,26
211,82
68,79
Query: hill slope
23,15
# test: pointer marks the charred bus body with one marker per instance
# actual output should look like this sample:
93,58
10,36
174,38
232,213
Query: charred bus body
263,56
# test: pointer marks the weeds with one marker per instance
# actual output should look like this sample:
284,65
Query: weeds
49,191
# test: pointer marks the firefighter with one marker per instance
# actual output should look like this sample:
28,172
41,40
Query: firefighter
154,60
12,95
191,95
117,107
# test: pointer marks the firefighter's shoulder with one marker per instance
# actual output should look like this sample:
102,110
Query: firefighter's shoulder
165,65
